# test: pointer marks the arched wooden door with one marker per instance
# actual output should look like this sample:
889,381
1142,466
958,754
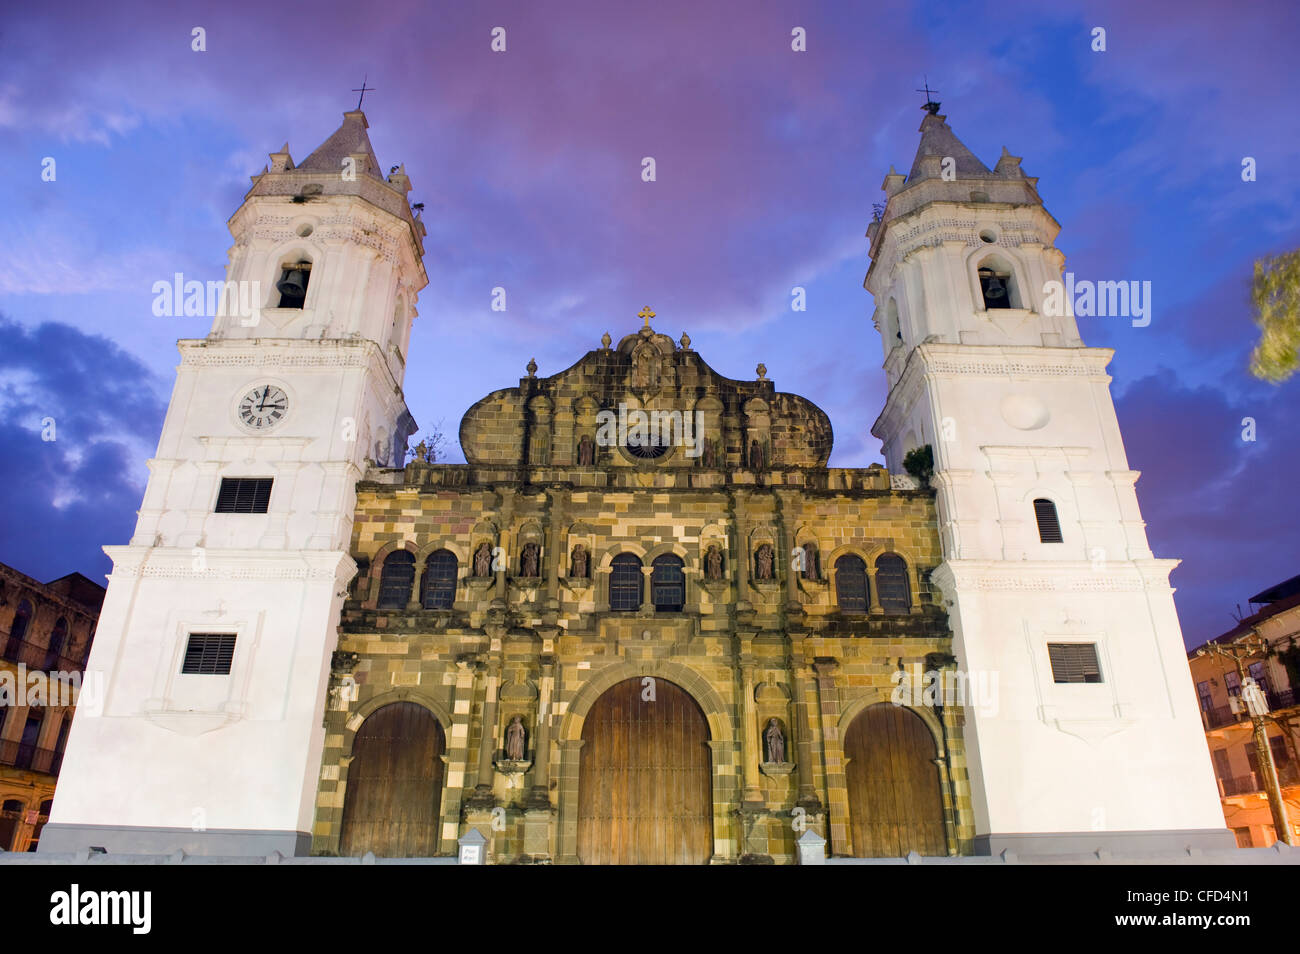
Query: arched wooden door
894,798
645,788
394,784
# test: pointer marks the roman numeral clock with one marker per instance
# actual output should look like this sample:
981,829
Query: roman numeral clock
263,407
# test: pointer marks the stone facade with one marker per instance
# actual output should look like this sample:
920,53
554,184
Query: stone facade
544,647
45,629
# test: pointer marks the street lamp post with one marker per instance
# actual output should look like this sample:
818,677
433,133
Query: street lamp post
1238,652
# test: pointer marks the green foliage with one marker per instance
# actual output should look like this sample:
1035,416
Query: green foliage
1275,293
919,462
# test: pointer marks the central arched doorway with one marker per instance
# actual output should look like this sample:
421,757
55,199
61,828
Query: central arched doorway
894,799
645,788
394,784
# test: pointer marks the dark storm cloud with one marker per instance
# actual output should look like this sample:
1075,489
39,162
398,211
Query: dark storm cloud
67,497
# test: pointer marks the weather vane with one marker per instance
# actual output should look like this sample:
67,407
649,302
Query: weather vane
930,104
363,90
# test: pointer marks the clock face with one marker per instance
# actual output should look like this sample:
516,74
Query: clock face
264,406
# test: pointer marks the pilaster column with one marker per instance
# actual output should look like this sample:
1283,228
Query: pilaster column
483,796
753,794
554,533
837,795
800,676
540,795
507,544
789,510
740,501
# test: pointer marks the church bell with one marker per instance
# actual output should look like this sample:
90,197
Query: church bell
293,284
993,287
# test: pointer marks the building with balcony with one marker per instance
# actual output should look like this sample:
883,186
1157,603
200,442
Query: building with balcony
45,635
1228,731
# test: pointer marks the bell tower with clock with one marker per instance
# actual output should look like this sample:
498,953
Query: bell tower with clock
209,672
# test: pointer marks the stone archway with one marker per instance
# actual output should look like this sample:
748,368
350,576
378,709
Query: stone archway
895,799
645,793
394,784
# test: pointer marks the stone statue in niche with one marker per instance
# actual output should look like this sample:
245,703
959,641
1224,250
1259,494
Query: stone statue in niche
763,561
774,741
755,455
645,368
586,451
515,740
578,565
713,563
483,560
528,560
709,458
812,569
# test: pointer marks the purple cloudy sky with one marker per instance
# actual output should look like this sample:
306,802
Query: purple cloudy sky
528,163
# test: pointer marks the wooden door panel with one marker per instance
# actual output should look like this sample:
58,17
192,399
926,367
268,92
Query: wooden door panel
644,781
894,797
394,787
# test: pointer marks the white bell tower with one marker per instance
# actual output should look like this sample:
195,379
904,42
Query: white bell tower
214,645
1094,739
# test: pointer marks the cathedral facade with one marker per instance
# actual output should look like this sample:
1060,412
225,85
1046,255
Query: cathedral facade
645,622
695,629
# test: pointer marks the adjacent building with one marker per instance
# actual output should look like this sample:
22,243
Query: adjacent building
46,631
1228,728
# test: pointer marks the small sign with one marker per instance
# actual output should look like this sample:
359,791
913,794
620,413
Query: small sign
472,845
32,817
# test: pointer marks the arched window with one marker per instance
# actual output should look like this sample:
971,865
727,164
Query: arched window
625,583
668,584
11,813
58,637
396,580
891,584
851,584
439,581
1049,525
18,630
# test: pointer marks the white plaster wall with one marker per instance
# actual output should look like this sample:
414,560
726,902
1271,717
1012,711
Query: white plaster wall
1126,754
162,749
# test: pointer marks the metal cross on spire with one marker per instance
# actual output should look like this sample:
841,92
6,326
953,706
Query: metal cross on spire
647,314
930,104
363,89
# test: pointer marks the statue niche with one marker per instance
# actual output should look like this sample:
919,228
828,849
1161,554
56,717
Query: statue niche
515,740
774,741
812,565
586,451
528,560
483,560
764,560
713,563
647,366
578,563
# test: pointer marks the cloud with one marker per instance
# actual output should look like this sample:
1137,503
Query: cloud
1219,503
67,497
